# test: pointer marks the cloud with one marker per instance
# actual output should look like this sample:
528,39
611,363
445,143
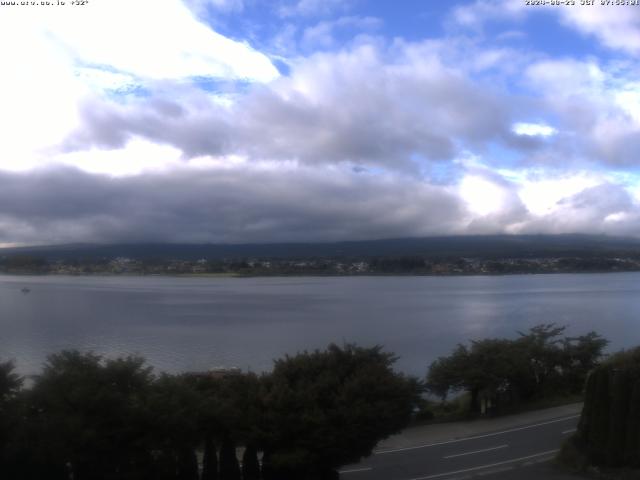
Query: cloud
605,208
224,6
314,8
219,205
614,26
597,108
267,203
323,34
73,55
125,38
172,45
533,129
182,134
366,105
475,14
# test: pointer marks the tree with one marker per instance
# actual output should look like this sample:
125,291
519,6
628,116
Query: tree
250,464
581,355
541,346
187,464
328,408
10,385
10,382
229,467
172,410
209,460
608,431
86,414
505,371
488,370
446,374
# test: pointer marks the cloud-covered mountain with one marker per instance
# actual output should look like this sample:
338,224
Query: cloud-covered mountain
473,246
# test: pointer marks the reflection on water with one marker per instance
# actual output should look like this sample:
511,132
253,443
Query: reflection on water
197,323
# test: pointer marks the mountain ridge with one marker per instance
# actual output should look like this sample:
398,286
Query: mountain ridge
485,246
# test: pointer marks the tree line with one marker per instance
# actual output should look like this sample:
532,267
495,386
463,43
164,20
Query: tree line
87,417
499,373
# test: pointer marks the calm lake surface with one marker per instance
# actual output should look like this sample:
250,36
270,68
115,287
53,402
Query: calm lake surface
197,323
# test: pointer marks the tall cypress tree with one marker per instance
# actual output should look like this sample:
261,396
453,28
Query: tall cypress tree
632,444
250,464
210,461
187,465
585,424
166,465
621,386
229,467
599,430
267,467
609,428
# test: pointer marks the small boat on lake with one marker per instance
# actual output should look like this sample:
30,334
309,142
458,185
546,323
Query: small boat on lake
25,290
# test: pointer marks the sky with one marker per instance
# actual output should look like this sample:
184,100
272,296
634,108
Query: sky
243,121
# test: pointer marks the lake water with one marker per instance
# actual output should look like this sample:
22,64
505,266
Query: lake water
197,323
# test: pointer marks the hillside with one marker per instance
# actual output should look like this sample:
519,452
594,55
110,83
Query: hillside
485,246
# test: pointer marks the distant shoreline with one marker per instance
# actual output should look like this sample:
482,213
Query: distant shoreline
305,275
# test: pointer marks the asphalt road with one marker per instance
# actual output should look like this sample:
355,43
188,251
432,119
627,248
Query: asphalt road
514,453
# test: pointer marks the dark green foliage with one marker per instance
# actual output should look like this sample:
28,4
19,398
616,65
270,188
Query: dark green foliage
10,382
581,355
172,408
166,466
609,428
621,385
90,418
503,372
400,265
18,263
209,460
90,413
229,467
599,426
250,465
329,408
266,469
632,444
187,465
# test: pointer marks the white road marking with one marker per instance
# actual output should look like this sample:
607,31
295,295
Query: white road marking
569,431
355,470
382,452
482,467
495,470
477,451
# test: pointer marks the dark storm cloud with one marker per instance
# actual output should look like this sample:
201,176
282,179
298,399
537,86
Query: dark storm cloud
237,205
66,205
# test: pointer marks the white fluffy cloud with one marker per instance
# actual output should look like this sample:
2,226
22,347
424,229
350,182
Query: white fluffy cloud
158,40
614,26
61,56
598,107
533,129
226,6
313,8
